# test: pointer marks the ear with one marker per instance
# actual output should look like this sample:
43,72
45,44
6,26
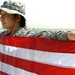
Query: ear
18,17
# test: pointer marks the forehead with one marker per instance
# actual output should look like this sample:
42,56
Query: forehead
3,12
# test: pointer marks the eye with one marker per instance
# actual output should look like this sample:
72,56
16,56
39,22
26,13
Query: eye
5,15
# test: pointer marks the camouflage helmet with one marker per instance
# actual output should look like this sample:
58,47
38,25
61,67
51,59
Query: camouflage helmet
13,7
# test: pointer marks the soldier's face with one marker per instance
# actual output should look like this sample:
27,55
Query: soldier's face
7,20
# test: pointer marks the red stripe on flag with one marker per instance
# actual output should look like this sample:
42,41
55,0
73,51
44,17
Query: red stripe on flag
52,70
2,73
42,44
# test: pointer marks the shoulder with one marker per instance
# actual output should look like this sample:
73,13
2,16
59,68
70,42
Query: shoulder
30,32
24,32
5,32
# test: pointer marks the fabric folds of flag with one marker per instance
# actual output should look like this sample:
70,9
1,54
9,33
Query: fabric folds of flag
36,56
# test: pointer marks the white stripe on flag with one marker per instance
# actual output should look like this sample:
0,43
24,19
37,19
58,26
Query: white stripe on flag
13,70
50,58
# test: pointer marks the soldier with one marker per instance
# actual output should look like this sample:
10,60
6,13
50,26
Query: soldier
13,19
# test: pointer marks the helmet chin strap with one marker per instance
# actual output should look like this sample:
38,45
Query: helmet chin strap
13,27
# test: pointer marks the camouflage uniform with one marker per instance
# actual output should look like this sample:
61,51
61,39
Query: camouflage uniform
19,32
59,35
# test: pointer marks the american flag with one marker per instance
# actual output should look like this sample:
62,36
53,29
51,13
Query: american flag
36,56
